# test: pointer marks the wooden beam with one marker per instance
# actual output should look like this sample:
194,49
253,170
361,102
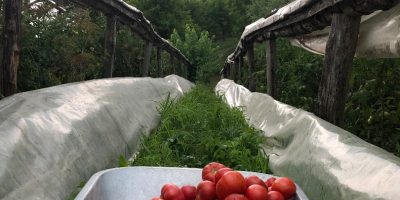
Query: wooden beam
171,61
10,46
252,65
110,43
146,61
159,62
236,70
272,67
339,53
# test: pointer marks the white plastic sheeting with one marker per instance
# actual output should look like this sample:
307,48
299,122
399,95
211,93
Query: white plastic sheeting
54,138
379,36
326,161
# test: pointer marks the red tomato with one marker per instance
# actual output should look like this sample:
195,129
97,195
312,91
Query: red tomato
253,179
270,181
274,195
221,172
189,191
236,197
285,186
157,198
206,191
231,182
256,192
209,171
171,192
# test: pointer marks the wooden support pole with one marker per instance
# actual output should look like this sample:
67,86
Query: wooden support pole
252,62
171,61
10,46
236,70
110,43
240,67
339,53
159,61
272,67
146,61
228,70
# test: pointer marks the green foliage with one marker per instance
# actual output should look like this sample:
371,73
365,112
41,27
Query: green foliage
373,106
257,9
165,16
199,50
122,162
58,48
199,129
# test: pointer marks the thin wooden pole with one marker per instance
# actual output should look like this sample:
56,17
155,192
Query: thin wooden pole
146,62
236,70
339,53
159,61
10,46
252,62
171,61
240,67
110,43
272,67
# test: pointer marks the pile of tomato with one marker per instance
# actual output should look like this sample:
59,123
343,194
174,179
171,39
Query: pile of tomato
223,183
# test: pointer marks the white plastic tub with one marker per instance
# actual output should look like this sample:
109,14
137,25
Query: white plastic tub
145,183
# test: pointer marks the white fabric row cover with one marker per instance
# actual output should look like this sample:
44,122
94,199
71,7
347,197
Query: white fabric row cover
379,36
326,161
379,32
52,139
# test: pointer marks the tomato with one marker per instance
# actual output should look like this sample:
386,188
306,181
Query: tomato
270,181
171,192
221,172
231,182
206,191
274,195
189,191
285,186
253,179
209,171
236,197
157,198
256,192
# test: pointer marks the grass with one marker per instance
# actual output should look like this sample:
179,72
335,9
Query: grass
201,128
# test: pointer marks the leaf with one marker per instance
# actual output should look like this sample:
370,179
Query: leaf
122,162
82,184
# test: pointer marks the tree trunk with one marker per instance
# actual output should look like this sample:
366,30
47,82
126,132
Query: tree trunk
272,67
110,43
10,46
252,62
159,61
146,62
171,60
339,53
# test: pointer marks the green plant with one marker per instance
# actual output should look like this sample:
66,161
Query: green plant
200,129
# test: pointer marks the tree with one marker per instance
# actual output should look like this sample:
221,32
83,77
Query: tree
164,15
199,50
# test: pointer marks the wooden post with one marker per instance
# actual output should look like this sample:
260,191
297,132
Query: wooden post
146,61
339,53
240,67
159,61
228,70
236,70
252,62
171,60
110,43
10,46
272,67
